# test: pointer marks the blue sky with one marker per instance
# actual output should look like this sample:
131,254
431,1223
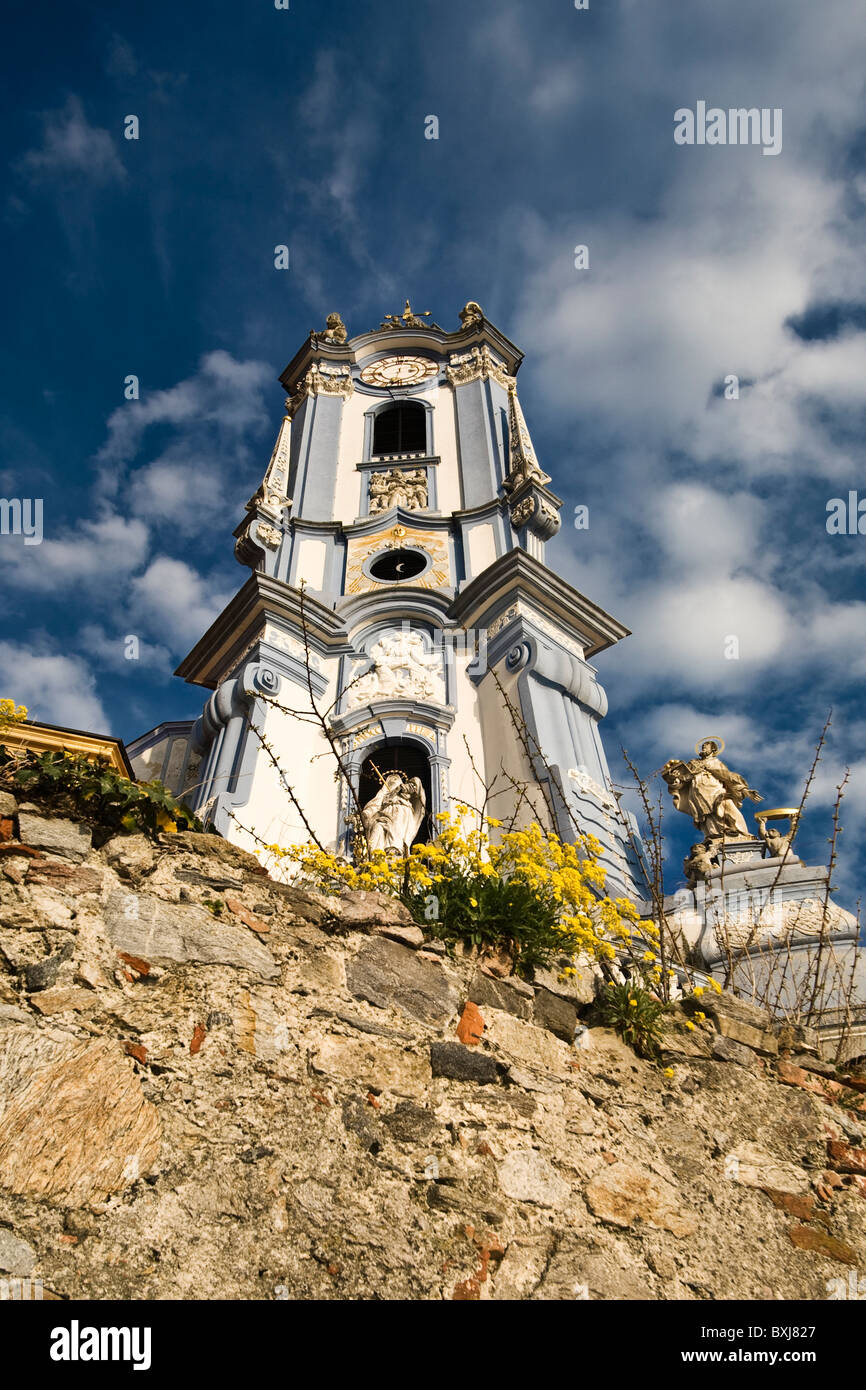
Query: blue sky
306,127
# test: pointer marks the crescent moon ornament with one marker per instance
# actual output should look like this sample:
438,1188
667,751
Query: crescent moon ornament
711,738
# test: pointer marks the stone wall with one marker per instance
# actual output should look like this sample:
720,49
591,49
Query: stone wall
213,1085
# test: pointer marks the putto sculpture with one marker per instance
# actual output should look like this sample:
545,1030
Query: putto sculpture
334,331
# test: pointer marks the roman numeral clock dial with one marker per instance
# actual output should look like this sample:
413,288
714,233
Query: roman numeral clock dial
398,371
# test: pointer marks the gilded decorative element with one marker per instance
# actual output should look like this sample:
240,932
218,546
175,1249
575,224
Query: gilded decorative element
363,548
477,365
322,378
407,319
334,331
471,315
523,466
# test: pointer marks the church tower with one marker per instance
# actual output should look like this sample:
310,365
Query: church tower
400,603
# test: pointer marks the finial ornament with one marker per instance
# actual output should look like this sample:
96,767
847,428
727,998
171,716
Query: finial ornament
471,314
523,464
408,319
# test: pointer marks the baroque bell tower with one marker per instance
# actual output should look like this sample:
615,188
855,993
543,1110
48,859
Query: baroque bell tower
398,585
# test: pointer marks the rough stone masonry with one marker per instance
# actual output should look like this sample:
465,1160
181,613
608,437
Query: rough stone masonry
213,1085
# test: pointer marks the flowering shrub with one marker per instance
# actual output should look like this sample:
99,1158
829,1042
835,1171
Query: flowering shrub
10,713
530,892
634,1012
93,792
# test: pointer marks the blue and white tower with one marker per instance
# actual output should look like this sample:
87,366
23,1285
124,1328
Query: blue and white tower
396,549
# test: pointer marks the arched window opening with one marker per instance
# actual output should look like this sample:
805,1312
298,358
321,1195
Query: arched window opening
401,429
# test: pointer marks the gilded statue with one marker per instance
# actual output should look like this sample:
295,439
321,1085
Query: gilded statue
334,331
708,791
471,315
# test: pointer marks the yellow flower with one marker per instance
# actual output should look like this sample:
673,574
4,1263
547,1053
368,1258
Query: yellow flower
690,1026
698,991
668,1071
716,986
699,1015
633,1003
474,902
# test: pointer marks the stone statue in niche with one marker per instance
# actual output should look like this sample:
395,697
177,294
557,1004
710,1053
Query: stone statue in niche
393,817
398,488
404,669
705,789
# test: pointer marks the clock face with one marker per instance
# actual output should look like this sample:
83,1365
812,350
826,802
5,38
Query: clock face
399,371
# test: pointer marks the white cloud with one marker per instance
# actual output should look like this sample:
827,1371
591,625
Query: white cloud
95,553
110,652
73,148
175,601
56,689
224,394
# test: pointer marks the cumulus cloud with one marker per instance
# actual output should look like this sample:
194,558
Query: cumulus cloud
56,689
224,395
174,600
110,545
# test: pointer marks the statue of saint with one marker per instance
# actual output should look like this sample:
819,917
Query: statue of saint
705,789
392,818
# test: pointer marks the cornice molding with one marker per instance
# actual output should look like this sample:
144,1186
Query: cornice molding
517,574
242,620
